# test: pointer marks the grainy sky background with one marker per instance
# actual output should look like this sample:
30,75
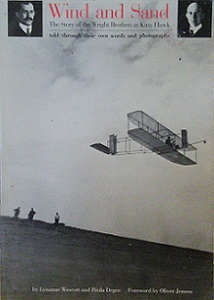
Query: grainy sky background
61,95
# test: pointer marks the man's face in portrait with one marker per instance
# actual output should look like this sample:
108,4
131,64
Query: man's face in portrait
26,14
194,14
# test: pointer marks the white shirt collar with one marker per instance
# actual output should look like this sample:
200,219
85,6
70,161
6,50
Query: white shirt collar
196,29
25,28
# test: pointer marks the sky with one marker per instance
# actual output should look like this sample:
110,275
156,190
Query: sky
62,95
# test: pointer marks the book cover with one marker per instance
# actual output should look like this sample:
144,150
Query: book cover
107,149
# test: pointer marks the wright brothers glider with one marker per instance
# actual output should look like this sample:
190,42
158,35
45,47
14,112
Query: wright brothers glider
152,137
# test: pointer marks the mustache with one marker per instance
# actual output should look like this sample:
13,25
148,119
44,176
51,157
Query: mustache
28,19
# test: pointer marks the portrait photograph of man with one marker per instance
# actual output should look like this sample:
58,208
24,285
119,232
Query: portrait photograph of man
194,19
25,18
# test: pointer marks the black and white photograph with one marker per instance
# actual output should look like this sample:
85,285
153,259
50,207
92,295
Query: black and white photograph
107,151
25,18
194,19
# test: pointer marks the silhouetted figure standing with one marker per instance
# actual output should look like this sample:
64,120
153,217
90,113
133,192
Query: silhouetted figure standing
57,218
16,214
31,215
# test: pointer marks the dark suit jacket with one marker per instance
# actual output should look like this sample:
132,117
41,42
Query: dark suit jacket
17,31
204,31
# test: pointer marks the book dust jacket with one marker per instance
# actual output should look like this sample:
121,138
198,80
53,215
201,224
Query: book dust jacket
107,149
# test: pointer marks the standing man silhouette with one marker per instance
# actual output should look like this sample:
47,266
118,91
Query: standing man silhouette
31,215
16,214
57,218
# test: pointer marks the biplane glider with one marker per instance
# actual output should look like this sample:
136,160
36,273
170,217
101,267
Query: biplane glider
152,137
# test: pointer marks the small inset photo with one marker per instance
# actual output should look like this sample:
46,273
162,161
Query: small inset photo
25,18
194,19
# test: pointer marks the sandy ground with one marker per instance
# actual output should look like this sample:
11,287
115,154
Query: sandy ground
41,261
